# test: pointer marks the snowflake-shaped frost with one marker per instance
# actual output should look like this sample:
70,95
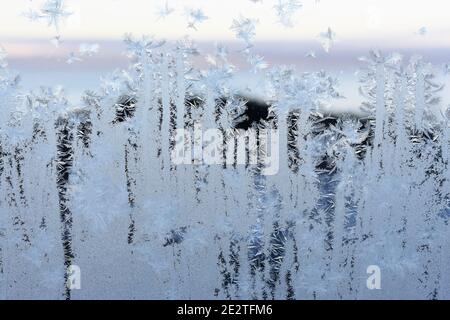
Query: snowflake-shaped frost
194,17
327,39
244,28
285,10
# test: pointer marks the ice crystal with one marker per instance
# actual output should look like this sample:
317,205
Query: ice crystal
56,41
285,11
327,39
52,11
89,49
311,54
244,29
422,31
96,184
257,62
72,58
143,46
164,11
195,16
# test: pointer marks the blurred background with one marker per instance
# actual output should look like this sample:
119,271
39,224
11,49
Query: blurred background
407,27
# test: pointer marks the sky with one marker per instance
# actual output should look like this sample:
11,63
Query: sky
360,25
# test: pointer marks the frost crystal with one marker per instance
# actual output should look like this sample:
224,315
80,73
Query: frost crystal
56,41
163,12
257,62
3,56
52,11
244,29
72,58
446,68
422,31
194,17
327,39
89,49
143,46
311,54
285,11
